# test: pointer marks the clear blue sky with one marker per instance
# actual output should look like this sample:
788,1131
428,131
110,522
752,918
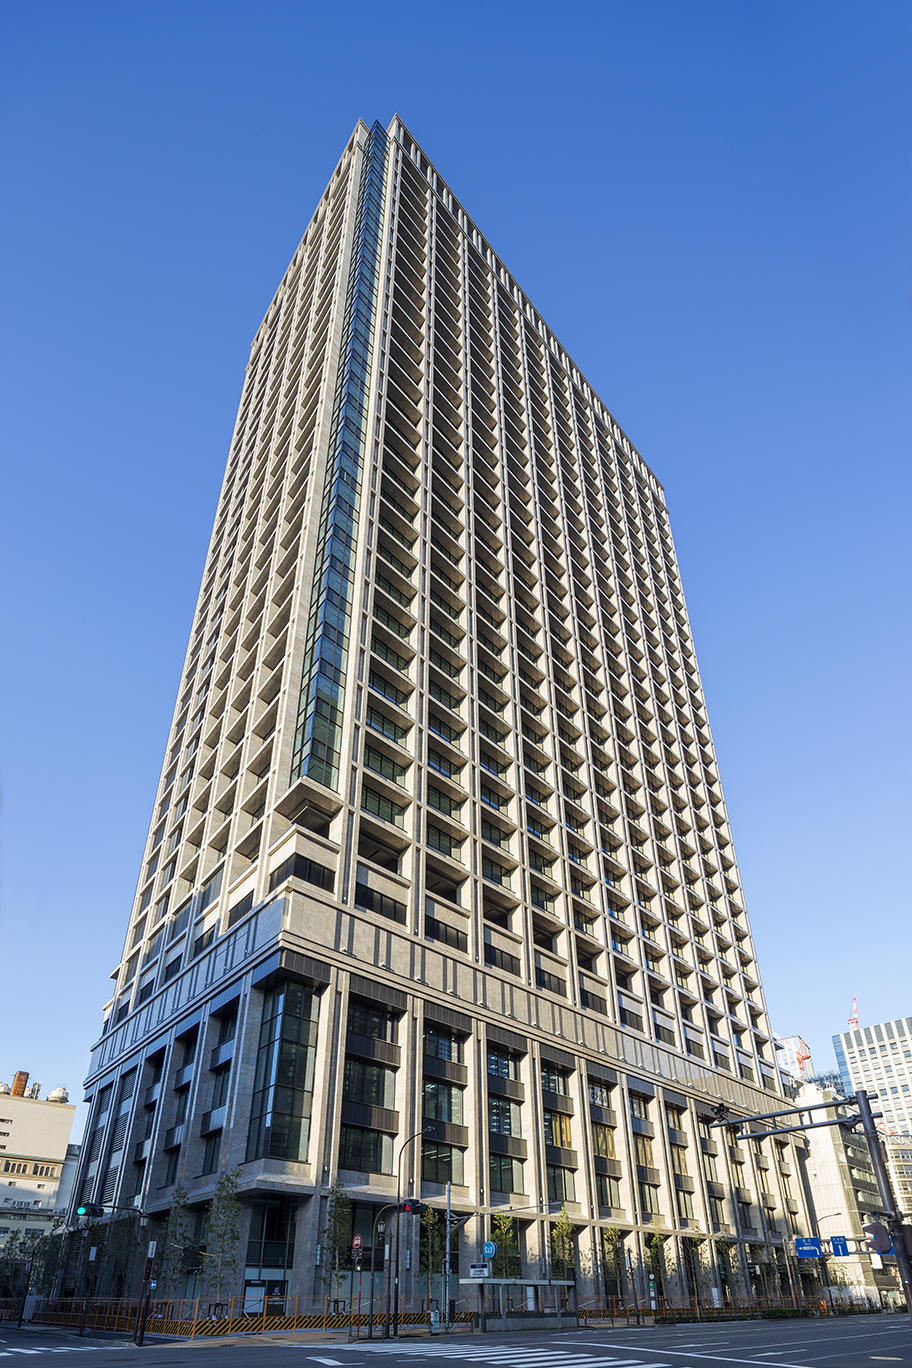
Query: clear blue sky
709,202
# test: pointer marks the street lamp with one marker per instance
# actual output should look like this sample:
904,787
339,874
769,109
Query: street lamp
823,1264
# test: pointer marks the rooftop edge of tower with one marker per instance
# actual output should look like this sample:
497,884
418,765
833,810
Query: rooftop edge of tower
398,130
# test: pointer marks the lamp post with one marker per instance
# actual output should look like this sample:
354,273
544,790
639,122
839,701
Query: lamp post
392,1277
823,1264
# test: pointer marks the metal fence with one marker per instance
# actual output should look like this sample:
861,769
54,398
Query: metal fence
234,1316
205,1316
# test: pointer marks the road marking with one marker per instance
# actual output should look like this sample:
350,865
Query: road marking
313,1358
723,1358
887,1358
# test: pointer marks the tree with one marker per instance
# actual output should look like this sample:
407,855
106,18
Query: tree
563,1252
124,1244
655,1257
13,1259
506,1261
335,1237
174,1238
432,1246
223,1233
48,1259
612,1262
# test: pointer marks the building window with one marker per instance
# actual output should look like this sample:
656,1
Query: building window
172,1167
557,1130
553,1080
649,1199
506,1174
643,1147
442,1102
272,1232
211,1152
561,1186
442,1044
371,1084
440,1163
603,1141
639,1107
370,900
436,930
502,1064
685,1205
495,958
367,1151
283,1080
382,807
376,1023
503,1116
716,1210
608,1191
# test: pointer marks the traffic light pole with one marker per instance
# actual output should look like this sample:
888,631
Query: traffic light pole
390,1207
887,1199
866,1119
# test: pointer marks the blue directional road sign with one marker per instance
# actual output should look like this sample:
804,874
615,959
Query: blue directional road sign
489,1249
808,1248
840,1246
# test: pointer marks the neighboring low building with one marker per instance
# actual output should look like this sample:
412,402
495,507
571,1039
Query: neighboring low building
879,1059
898,1154
37,1162
842,1196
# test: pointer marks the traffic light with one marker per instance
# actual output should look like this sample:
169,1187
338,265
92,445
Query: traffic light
413,1208
91,1210
879,1239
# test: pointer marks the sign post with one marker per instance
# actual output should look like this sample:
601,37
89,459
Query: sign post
808,1247
840,1246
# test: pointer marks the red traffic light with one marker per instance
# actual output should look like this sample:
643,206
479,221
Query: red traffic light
413,1208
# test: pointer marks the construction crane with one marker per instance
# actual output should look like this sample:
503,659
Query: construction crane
853,1019
802,1055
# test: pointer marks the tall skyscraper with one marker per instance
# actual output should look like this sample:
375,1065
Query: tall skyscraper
439,845
879,1059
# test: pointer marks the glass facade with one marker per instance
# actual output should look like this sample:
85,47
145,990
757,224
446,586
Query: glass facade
283,1084
319,729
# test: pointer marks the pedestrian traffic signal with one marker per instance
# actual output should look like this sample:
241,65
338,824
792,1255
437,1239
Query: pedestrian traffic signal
878,1237
413,1208
93,1212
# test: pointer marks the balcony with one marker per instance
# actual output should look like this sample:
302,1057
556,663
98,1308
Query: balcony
174,1136
184,1076
213,1120
221,1054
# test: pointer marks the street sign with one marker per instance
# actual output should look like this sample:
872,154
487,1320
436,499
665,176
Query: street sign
489,1249
357,1241
840,1246
808,1248
480,1270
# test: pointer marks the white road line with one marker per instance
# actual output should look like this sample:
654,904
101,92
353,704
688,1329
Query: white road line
723,1358
335,1362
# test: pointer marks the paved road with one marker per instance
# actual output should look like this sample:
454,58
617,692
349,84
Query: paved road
859,1342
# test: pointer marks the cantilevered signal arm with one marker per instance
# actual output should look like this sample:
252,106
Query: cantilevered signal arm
734,1123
